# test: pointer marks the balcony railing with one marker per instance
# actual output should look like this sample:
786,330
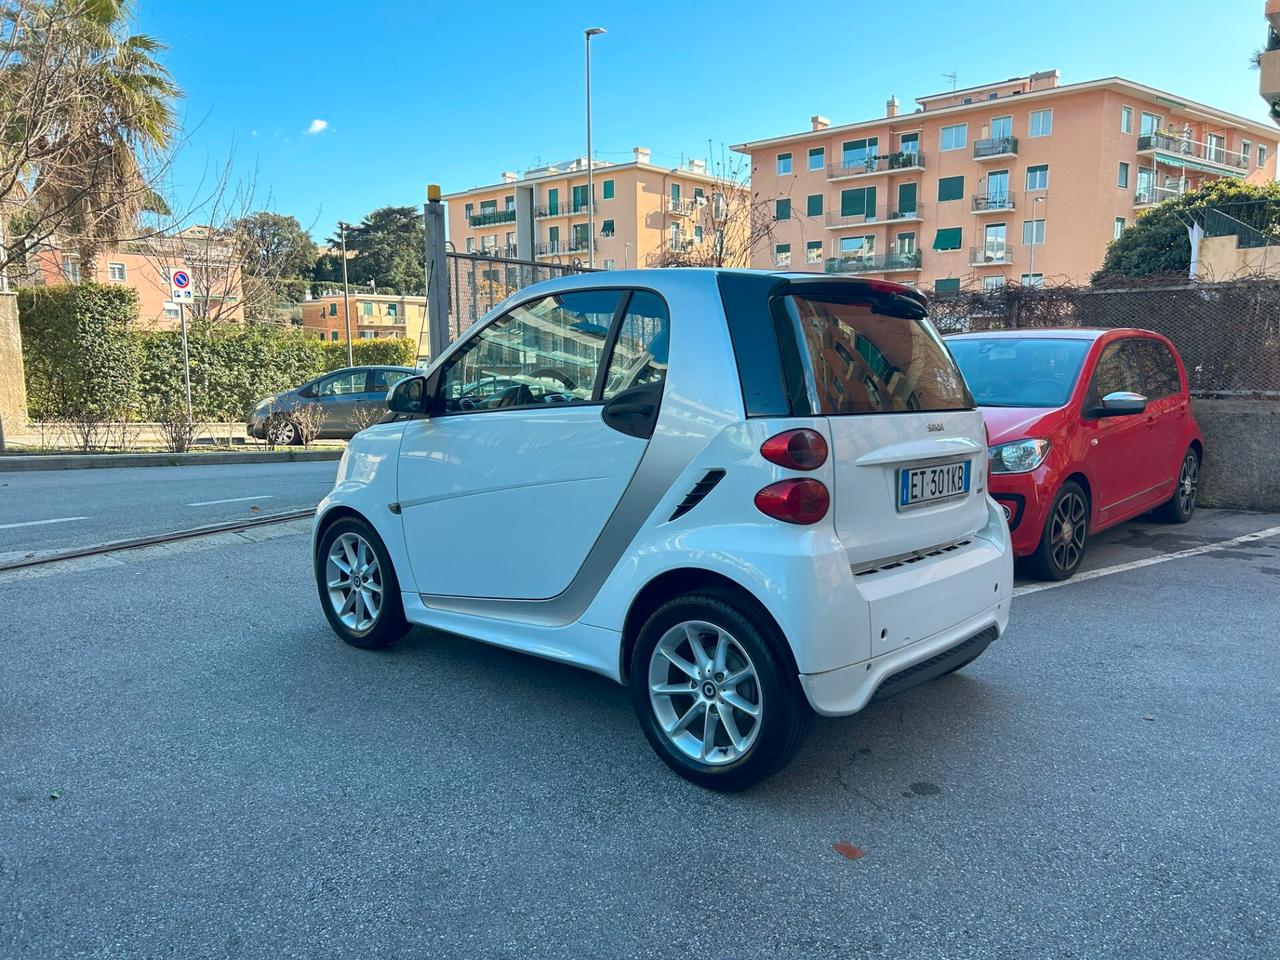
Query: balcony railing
681,244
1145,196
562,209
991,254
995,147
908,213
874,264
876,163
1192,149
488,218
680,207
991,202
837,221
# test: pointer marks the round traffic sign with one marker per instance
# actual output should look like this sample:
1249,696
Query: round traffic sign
181,279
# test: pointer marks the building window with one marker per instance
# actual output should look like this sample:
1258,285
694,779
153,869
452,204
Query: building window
858,202
611,264
782,209
992,284
471,244
71,268
606,229
1001,127
910,143
817,157
1119,228
1038,177
368,308
1126,119
368,334
1262,154
1041,123
813,251
1246,150
950,188
967,100
784,164
392,312
488,206
697,233
333,309
1151,122
857,247
115,271
1122,175
172,311
955,137
813,205
992,95
1033,279
1032,233
782,255
509,203
469,210
606,190
943,287
947,238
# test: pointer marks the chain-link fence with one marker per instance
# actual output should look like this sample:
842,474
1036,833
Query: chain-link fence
1228,333
480,281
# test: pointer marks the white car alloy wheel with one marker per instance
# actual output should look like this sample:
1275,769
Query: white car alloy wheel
282,432
704,693
354,580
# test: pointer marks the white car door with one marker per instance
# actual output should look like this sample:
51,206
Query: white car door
503,496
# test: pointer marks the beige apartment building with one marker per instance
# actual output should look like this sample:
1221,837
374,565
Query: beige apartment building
1024,180
641,210
373,315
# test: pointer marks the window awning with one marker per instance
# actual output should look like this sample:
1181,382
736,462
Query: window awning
1190,163
947,238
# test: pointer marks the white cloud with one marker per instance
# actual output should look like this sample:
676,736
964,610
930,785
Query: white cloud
317,126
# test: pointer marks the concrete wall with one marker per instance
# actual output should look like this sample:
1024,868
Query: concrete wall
13,385
1241,453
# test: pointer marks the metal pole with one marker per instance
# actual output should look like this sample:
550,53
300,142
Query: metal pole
437,275
346,292
186,358
591,180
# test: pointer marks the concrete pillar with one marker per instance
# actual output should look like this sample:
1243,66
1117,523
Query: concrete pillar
437,275
13,382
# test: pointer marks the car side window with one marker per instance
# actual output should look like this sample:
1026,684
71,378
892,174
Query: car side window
640,351
384,380
342,384
1159,371
1116,371
547,351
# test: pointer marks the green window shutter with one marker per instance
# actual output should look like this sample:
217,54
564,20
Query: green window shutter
906,197
579,197
813,207
950,285
950,188
607,228
947,238
607,192
553,199
869,203
782,210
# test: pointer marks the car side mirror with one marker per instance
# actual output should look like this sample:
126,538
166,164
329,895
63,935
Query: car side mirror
308,391
413,396
1122,404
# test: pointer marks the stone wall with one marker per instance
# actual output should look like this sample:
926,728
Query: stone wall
13,386
1241,453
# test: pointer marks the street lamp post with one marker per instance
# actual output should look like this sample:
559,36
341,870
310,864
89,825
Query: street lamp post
346,292
1031,270
591,180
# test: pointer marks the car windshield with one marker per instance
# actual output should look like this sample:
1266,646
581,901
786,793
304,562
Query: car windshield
1011,372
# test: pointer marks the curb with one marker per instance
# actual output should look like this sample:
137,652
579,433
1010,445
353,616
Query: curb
90,461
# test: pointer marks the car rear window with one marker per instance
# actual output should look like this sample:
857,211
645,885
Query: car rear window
875,355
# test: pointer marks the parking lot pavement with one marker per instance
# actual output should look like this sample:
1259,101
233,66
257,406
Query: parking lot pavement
50,510
230,780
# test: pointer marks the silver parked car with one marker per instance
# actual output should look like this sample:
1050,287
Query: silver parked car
344,402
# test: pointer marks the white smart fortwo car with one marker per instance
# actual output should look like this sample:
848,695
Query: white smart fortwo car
747,495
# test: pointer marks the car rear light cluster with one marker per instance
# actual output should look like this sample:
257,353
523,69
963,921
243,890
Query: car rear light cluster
801,500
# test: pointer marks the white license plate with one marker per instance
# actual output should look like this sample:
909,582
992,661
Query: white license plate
921,486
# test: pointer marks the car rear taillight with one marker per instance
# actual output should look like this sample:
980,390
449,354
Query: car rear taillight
798,500
796,449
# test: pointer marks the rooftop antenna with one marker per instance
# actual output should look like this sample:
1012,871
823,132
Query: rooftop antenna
952,77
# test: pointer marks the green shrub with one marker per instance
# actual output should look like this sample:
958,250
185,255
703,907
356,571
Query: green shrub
384,351
80,355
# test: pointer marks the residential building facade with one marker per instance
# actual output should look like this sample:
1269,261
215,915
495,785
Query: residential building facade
641,210
1019,181
373,315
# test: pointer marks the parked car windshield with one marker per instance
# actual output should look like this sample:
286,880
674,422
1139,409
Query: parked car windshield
880,355
1009,372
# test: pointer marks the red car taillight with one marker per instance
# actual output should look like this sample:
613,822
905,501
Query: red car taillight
798,500
796,449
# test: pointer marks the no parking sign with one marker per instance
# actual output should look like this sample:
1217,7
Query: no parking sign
180,284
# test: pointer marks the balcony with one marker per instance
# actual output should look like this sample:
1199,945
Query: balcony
902,162
1146,196
996,202
1179,151
840,221
995,148
489,218
562,210
887,263
991,254
908,215
560,248
681,244
679,207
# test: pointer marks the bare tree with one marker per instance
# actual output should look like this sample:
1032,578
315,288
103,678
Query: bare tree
735,223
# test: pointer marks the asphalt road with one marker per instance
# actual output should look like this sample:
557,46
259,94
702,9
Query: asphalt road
57,509
232,781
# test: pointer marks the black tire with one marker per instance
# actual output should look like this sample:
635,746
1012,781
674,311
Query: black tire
389,624
1180,507
281,431
1065,535
784,716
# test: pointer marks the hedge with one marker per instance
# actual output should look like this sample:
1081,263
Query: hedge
84,362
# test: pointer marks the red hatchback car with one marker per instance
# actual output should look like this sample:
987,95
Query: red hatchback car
1087,428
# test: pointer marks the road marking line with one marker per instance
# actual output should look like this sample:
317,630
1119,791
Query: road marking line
1150,561
210,503
37,523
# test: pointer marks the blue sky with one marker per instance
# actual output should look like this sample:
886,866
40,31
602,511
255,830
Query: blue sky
414,92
